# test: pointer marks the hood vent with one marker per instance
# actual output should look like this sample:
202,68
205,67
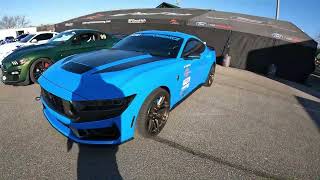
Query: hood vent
76,68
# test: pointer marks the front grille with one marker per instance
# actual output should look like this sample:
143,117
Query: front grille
67,109
109,133
64,108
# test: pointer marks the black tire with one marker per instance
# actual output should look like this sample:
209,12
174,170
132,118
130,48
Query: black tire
152,118
210,77
38,67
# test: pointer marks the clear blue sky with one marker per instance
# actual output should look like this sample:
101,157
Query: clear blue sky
304,13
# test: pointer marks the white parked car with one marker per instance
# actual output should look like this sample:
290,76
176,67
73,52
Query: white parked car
31,39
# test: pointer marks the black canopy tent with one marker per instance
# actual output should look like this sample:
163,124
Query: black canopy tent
254,43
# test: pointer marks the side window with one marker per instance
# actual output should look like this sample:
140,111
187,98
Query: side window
87,38
42,37
193,47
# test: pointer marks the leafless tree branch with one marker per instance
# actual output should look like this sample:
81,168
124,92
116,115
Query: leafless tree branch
13,22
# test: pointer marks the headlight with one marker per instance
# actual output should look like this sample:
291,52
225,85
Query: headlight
19,62
84,111
112,104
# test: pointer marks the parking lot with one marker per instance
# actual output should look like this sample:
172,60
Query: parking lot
245,126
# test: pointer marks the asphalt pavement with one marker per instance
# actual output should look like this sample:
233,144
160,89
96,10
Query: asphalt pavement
245,126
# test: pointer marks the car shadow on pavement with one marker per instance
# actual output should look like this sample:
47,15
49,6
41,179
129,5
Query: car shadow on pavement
312,108
96,162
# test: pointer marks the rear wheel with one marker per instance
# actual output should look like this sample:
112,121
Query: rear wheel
38,67
154,113
210,77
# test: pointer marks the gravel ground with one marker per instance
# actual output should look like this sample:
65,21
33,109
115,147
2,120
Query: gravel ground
244,127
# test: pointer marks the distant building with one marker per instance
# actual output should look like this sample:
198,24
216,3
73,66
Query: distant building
16,32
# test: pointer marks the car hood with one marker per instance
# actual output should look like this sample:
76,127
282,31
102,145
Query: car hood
25,50
10,47
89,75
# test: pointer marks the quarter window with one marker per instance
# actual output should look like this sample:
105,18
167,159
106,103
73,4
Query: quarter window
194,47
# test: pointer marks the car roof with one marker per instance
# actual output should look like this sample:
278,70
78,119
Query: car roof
169,33
83,30
42,32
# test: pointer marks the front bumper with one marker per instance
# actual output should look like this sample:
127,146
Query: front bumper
114,130
108,130
13,75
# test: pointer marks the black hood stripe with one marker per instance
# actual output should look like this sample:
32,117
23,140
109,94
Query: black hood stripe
102,57
131,64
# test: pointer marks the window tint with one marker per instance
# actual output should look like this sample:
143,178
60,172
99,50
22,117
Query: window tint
42,37
154,44
194,47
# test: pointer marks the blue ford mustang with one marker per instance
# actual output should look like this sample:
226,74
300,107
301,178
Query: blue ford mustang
103,97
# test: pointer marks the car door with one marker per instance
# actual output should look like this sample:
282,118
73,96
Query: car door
81,43
193,66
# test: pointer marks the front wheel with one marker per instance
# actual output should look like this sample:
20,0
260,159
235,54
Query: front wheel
154,113
210,77
38,67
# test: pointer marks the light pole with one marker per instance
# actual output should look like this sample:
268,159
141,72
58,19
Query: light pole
278,10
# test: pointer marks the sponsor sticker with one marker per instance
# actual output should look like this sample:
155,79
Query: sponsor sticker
68,24
277,35
221,26
287,38
96,22
137,21
200,23
151,14
246,20
185,87
186,80
173,21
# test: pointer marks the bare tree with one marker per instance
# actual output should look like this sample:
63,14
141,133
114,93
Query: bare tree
13,22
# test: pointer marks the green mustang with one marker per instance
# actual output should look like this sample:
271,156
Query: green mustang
28,63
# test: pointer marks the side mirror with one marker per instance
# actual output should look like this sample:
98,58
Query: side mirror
34,41
191,57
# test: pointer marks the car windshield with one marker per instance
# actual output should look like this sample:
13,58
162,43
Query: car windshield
154,44
27,38
21,36
62,37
